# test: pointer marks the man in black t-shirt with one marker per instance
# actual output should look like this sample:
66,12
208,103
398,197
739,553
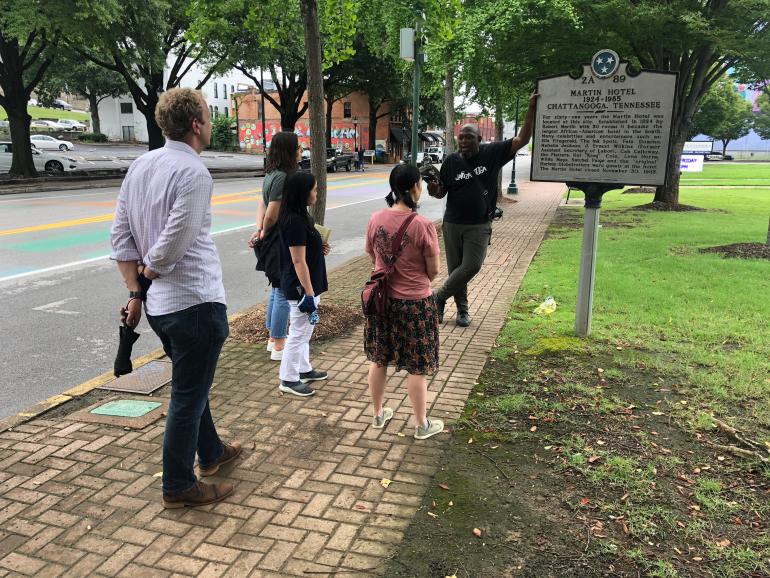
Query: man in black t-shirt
469,178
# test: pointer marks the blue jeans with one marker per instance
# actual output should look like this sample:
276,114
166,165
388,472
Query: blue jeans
277,314
192,338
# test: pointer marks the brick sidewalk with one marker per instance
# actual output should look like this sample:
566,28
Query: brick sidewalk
80,499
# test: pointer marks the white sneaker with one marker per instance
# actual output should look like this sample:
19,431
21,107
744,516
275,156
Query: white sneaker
270,345
434,427
276,355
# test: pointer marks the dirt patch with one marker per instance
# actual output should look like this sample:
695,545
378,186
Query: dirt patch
584,464
658,206
640,191
335,321
741,251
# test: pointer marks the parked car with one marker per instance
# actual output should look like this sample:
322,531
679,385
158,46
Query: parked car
437,154
42,141
46,125
59,103
335,160
713,157
72,125
422,159
44,161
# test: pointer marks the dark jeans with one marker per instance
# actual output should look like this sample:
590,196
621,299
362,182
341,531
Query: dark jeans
466,249
192,338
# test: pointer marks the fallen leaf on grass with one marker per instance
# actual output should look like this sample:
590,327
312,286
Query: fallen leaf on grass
470,440
477,532
512,536
594,459
451,503
624,497
533,429
724,543
584,502
657,413
444,487
385,482
432,515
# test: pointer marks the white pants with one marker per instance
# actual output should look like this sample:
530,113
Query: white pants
296,353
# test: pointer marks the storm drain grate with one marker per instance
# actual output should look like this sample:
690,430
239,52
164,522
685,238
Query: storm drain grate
146,379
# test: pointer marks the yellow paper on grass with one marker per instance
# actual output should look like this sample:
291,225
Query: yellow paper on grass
325,233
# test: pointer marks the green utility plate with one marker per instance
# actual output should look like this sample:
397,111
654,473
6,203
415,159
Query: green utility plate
126,408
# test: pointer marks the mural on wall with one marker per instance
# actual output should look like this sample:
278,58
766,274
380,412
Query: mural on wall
343,137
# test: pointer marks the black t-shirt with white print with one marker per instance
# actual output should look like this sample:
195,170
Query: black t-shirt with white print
471,184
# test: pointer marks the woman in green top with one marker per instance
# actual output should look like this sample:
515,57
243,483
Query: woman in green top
283,158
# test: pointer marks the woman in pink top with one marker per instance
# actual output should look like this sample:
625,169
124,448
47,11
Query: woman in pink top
407,336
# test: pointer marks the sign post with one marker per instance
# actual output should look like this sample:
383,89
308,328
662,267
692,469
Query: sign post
605,129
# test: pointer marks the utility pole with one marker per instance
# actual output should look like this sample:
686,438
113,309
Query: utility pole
416,94
512,188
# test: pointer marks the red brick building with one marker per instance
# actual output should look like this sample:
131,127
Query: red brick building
486,125
350,124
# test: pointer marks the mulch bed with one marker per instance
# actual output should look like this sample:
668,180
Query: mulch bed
658,206
335,321
640,191
741,251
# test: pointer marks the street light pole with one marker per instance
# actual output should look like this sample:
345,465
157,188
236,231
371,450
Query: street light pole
512,188
416,95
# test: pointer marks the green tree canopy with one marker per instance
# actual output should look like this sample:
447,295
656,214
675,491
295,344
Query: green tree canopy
723,114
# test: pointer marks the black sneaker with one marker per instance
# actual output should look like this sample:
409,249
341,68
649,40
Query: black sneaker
296,388
439,307
463,319
313,375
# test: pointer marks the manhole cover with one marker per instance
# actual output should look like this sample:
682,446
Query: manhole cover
126,408
146,379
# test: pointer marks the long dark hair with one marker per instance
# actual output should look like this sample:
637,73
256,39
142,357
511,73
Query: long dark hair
402,179
296,193
282,154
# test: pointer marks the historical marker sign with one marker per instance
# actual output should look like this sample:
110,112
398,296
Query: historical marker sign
606,126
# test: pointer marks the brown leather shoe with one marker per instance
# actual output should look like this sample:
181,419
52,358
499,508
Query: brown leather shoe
231,452
199,495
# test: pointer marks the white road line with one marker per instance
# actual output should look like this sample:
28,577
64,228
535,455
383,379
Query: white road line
55,307
102,257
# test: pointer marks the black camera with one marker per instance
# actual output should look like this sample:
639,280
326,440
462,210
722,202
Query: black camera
496,214
429,173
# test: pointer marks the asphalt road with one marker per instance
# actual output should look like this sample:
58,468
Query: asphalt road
61,293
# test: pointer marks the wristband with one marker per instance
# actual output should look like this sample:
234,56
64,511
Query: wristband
135,294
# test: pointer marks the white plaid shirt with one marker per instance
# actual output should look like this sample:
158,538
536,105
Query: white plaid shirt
163,220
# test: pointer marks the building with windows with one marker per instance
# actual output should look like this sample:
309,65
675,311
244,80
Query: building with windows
121,121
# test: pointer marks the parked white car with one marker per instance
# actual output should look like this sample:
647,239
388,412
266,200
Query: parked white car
45,142
44,161
46,125
73,125
437,154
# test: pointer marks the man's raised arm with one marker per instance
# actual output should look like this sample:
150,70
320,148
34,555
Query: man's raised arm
521,139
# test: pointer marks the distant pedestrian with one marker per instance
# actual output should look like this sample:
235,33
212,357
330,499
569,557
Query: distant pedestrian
361,159
356,160
469,178
282,159
407,336
163,221
303,279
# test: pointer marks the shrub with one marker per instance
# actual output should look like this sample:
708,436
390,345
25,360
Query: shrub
221,132
93,137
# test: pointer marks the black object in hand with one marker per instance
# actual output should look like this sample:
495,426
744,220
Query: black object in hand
125,344
429,173
144,284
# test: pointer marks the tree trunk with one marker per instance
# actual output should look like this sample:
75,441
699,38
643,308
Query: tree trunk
373,124
669,193
499,138
724,146
18,121
93,106
449,108
315,88
329,107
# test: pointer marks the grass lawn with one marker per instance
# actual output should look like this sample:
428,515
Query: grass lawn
719,173
38,112
604,457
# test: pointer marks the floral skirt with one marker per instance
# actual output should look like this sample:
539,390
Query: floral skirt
407,337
